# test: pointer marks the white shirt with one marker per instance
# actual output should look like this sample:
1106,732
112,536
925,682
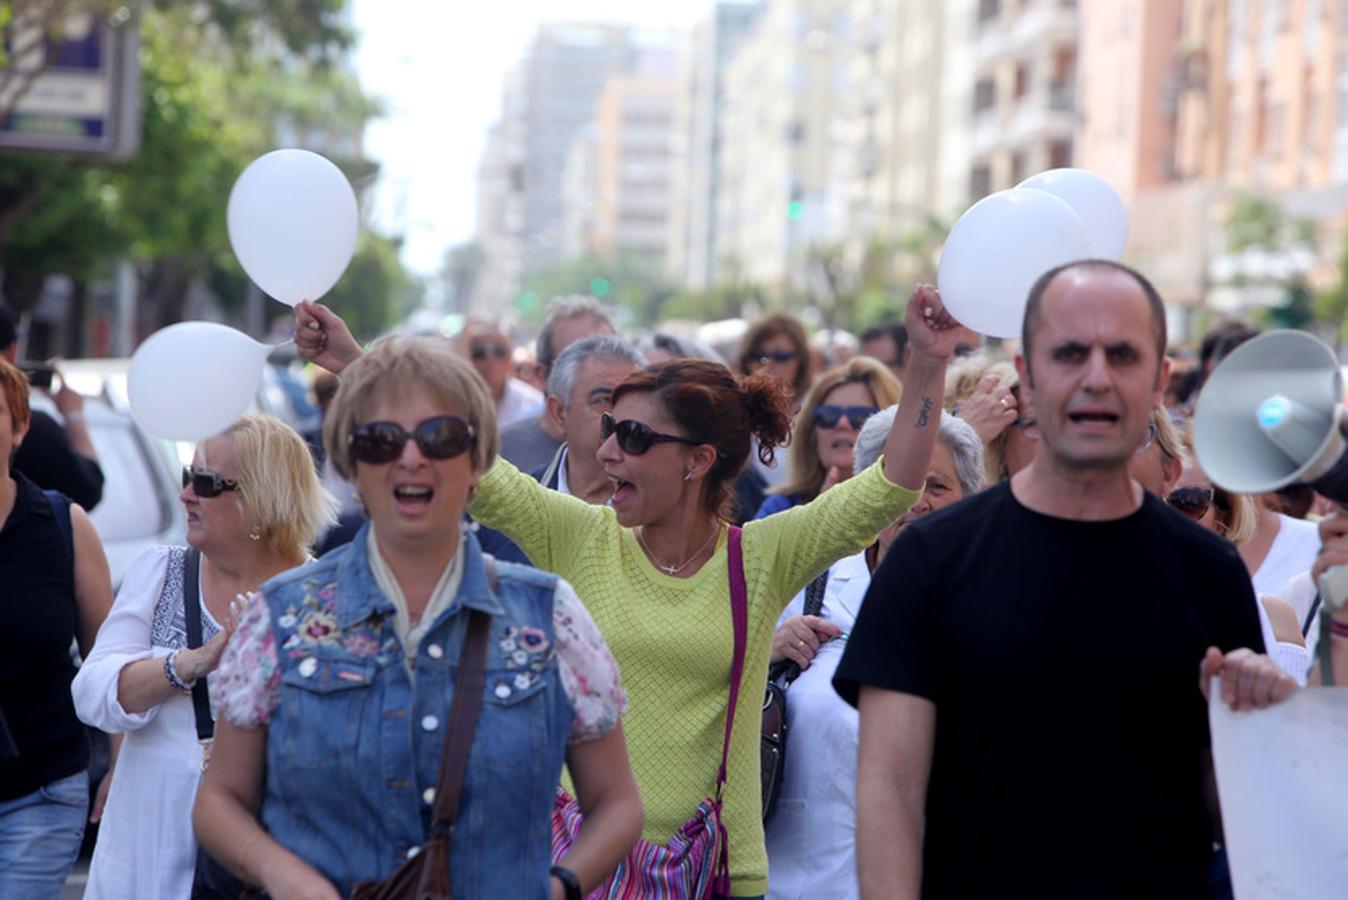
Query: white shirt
145,843
520,401
812,836
1293,551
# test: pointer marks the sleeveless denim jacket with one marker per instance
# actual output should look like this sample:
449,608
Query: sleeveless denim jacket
353,748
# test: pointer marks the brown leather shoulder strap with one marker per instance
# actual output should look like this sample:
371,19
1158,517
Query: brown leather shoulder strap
463,710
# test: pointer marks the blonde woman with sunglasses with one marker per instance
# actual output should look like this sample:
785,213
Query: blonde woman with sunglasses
254,506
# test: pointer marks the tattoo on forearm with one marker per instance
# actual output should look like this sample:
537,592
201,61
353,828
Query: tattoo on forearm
924,412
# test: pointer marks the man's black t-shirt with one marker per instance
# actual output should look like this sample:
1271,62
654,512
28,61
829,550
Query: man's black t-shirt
1062,657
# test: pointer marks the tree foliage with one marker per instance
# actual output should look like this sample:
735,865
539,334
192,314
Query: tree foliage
222,82
635,285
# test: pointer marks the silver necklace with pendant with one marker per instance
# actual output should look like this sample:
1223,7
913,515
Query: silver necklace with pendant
674,570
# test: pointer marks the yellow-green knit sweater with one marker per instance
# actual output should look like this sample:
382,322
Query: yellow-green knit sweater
672,637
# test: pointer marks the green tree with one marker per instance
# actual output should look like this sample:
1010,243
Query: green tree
376,291
219,80
633,284
1331,306
1260,226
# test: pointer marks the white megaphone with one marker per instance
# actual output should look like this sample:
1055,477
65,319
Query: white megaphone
1271,415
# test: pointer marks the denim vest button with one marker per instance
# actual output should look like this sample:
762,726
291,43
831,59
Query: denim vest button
429,723
503,691
308,667
435,651
428,795
412,851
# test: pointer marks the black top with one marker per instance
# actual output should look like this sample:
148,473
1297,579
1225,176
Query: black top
47,457
37,625
1063,658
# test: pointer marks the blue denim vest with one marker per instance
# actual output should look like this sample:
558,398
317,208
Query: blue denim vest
353,749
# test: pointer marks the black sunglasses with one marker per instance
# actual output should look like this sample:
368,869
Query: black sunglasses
439,437
207,484
1192,501
776,356
634,437
481,351
826,415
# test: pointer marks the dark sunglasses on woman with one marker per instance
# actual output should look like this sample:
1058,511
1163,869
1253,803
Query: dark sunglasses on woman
439,437
826,415
635,438
482,351
207,484
775,356
1192,501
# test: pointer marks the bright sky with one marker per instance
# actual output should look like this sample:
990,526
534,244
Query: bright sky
439,70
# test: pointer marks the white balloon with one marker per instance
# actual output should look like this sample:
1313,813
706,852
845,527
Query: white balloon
997,250
192,380
292,223
1095,201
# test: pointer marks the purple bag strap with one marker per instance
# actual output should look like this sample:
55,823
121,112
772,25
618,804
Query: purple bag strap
739,614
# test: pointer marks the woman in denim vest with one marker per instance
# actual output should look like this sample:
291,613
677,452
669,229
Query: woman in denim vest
333,696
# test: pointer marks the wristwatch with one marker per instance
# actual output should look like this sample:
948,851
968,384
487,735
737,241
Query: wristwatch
570,883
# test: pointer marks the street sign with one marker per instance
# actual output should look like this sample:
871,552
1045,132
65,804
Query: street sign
80,91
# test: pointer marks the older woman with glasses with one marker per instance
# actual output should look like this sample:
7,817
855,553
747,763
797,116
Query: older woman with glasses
336,693
656,565
811,838
825,431
254,506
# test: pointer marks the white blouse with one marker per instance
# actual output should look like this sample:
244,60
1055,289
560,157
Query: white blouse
812,836
145,843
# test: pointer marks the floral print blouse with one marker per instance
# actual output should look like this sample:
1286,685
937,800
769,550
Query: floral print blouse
246,687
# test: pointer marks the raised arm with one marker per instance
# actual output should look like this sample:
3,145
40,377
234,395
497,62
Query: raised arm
545,524
932,336
322,338
803,541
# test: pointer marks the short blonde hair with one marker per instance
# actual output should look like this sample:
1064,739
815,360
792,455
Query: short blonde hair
1169,437
278,485
964,374
394,364
806,474
961,381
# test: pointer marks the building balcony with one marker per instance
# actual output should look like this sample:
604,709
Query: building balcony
1044,23
987,133
1044,115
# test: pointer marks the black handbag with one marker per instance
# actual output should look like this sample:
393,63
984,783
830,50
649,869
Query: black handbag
772,746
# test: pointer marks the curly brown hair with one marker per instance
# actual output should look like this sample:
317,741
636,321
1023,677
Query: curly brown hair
711,405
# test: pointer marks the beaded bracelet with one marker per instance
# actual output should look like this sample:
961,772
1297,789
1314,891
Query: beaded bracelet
172,674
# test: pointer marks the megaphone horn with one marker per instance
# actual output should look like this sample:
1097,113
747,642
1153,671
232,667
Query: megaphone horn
1270,415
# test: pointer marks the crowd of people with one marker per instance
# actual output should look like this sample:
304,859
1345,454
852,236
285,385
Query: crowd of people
993,589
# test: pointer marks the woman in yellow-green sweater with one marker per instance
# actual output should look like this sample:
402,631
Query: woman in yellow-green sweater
651,567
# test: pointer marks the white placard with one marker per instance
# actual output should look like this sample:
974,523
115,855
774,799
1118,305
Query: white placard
1282,775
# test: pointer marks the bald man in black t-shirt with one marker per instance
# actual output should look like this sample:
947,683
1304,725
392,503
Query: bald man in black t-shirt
1025,662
